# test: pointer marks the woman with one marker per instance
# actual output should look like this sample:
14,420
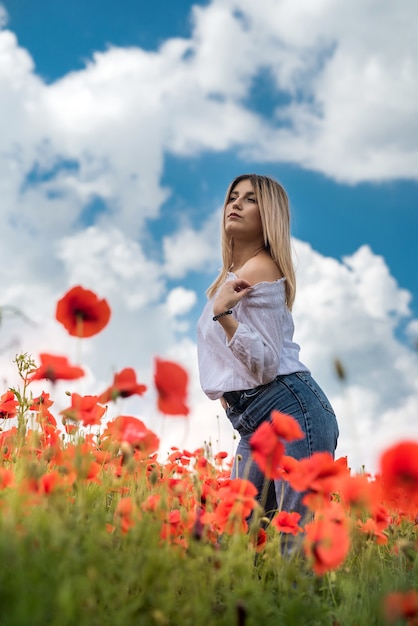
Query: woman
247,356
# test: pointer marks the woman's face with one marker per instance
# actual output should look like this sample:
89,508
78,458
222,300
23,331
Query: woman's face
242,216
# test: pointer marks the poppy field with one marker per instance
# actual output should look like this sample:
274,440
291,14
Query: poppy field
97,529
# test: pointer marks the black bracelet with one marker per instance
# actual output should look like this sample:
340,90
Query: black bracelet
216,317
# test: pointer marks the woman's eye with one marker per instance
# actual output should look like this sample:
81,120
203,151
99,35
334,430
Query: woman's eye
251,199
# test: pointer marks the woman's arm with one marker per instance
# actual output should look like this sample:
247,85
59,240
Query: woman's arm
254,341
231,292
256,270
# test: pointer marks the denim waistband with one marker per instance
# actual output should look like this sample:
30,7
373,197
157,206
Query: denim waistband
232,397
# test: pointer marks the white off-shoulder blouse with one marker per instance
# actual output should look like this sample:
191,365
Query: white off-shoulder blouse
261,348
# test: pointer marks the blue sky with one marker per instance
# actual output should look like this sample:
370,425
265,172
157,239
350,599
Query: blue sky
131,118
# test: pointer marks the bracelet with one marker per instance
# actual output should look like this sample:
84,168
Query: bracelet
216,317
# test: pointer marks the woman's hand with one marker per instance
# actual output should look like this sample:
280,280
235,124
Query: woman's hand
230,294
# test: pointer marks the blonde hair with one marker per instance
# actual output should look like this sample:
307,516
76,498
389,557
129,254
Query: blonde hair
273,205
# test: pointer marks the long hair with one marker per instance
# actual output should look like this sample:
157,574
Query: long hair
273,205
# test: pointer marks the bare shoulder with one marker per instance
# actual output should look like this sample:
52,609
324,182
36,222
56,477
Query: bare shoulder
260,268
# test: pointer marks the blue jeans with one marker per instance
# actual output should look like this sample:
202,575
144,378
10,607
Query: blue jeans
301,397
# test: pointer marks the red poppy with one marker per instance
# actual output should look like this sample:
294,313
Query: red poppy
327,540
171,381
236,500
47,483
402,605
327,544
286,522
175,527
48,422
286,427
259,542
82,313
267,450
318,473
381,516
56,368
124,385
84,409
131,430
220,457
8,442
42,403
399,469
70,429
152,503
371,528
288,465
8,405
6,478
125,506
125,511
357,492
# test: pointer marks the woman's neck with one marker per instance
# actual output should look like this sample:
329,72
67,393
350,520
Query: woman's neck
240,256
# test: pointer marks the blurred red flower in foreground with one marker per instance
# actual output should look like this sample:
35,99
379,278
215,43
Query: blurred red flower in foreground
318,473
267,450
267,445
127,429
125,512
41,406
372,529
171,382
399,470
285,426
327,540
400,605
236,501
6,478
56,368
8,405
286,522
260,540
42,403
124,386
82,313
84,409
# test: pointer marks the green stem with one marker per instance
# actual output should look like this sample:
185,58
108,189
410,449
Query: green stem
23,405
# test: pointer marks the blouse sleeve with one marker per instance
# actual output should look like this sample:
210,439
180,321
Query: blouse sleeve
258,340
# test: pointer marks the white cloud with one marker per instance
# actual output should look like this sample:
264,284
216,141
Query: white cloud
350,113
115,262
351,84
190,250
180,301
412,331
376,287
349,311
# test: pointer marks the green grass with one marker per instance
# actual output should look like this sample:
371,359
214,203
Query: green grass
61,566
